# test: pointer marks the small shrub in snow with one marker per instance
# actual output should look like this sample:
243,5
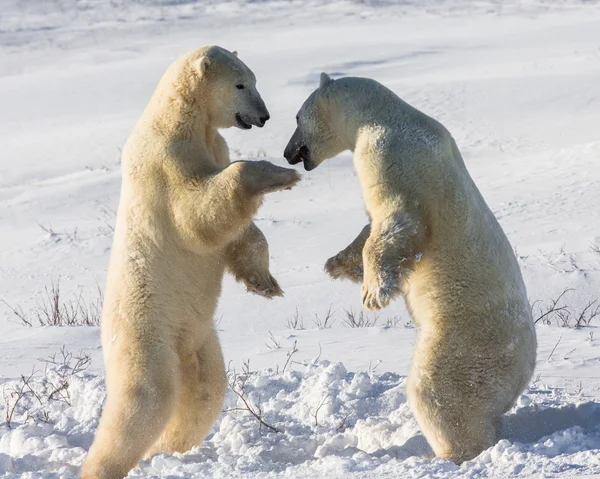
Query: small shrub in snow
290,354
296,321
394,321
360,320
32,396
561,314
237,383
54,310
272,343
326,321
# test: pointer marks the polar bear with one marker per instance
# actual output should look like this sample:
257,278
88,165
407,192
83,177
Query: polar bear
185,214
432,238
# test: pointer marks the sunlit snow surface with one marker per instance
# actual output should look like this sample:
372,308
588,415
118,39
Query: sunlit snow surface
516,82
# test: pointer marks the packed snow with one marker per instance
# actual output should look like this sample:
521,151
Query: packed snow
517,83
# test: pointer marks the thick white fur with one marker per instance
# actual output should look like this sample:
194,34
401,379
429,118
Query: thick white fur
184,216
433,238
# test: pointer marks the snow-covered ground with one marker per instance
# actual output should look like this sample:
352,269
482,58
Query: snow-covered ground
516,82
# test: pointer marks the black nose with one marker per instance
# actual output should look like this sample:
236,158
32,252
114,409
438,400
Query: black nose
264,119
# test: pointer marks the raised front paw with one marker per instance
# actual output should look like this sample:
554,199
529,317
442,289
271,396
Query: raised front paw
378,292
263,285
263,177
341,266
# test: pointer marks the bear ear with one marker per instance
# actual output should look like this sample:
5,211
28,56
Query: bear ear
325,80
203,64
235,52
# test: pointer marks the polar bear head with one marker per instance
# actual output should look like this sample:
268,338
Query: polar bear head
316,137
224,87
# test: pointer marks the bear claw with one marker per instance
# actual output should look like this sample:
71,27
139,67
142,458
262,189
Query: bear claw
265,287
376,297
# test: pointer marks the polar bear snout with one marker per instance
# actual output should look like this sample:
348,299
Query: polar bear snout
299,154
296,151
245,122
251,110
263,119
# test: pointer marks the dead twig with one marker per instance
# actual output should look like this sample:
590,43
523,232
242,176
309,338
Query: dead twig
554,348
291,353
295,322
553,308
325,323
324,401
237,383
359,320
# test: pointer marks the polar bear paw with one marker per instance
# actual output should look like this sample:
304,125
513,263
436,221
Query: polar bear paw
263,285
262,177
341,266
377,293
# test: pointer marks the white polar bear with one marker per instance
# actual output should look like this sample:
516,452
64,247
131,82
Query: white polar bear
433,238
184,216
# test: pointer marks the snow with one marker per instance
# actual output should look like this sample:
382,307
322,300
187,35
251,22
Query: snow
330,423
517,83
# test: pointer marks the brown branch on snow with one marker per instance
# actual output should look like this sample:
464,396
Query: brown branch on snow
554,348
553,308
291,353
324,401
568,317
327,321
237,384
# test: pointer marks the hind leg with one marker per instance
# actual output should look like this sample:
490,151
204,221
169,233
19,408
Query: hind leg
141,397
457,438
201,395
457,428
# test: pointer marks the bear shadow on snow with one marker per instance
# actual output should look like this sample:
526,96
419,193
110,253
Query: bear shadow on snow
30,462
530,424
527,425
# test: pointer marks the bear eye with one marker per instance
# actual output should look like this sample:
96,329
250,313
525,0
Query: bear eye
240,86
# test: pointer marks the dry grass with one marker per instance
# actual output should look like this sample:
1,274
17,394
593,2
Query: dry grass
295,322
326,321
53,309
352,319
360,319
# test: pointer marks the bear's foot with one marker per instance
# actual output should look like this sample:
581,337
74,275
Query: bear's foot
263,285
377,293
341,266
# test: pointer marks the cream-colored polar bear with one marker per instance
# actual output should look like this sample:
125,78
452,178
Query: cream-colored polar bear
433,238
184,216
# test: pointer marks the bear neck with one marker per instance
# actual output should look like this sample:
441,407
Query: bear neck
356,123
181,112
362,110
353,122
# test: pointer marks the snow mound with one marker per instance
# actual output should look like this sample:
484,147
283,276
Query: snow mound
320,420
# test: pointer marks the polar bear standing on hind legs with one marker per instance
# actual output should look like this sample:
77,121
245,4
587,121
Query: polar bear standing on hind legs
185,214
432,238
